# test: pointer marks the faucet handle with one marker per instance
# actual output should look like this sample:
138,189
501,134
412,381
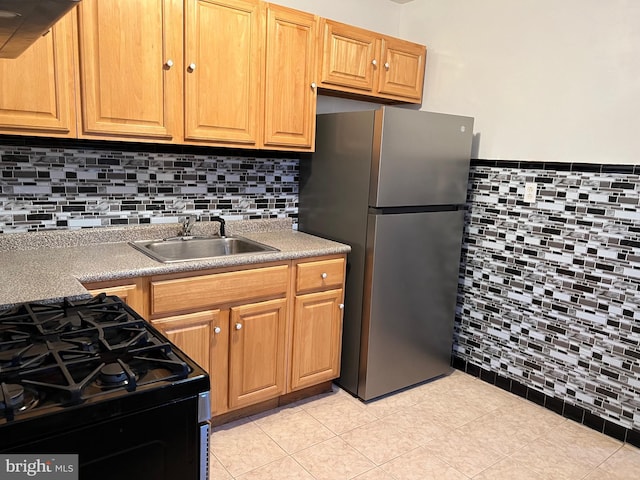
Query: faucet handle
187,225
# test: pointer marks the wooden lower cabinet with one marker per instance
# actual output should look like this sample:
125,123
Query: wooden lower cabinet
257,352
264,334
131,291
192,333
203,336
317,337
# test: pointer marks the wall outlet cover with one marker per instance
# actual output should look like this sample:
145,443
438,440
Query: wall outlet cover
530,190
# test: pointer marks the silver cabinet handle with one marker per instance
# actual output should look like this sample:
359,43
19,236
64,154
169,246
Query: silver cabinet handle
238,326
313,85
374,62
169,63
217,330
341,306
324,275
192,66
386,65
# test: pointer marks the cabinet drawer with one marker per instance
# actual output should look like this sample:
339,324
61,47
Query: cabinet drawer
205,291
320,275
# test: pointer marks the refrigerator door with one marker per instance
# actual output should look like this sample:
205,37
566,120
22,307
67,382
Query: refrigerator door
411,276
419,158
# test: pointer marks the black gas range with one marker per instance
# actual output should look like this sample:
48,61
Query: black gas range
93,378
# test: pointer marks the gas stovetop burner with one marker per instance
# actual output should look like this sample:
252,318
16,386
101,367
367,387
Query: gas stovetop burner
14,399
75,352
115,374
11,396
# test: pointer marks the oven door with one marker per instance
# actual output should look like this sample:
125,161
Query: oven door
161,443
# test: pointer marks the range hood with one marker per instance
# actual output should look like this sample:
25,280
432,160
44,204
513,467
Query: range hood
22,22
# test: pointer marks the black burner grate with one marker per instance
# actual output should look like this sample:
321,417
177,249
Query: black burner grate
71,352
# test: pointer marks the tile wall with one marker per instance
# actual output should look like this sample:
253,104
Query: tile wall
549,292
56,185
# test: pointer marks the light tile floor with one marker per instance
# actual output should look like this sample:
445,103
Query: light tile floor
454,428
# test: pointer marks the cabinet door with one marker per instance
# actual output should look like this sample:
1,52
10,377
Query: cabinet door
402,69
290,92
348,56
222,75
256,357
37,88
132,293
130,68
204,337
317,338
191,333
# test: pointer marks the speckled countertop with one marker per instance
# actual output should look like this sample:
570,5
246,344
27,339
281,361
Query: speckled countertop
51,266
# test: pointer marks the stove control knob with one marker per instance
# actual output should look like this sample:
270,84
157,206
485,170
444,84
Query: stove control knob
324,275
238,326
217,330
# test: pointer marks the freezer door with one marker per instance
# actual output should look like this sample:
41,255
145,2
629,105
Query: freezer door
419,158
411,278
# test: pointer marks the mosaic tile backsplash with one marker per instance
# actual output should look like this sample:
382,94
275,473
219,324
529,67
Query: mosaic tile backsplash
58,188
549,292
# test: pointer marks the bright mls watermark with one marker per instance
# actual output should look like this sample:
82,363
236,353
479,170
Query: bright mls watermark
50,467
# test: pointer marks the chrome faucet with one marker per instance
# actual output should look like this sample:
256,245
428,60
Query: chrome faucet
221,220
187,226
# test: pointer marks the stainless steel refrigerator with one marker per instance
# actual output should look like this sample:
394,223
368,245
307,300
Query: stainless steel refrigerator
391,183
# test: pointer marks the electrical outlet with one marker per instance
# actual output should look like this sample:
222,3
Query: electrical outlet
530,191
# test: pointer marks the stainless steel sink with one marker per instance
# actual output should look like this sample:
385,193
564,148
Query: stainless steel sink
182,249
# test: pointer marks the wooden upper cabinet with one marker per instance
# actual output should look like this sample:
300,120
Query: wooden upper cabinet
37,88
130,62
402,69
223,71
348,56
290,90
360,62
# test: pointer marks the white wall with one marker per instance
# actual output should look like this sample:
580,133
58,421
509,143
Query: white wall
552,80
378,15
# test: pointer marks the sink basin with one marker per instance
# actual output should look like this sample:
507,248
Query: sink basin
182,249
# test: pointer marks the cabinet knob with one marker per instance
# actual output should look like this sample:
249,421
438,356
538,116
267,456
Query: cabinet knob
374,62
324,275
386,65
341,306
217,330
169,63
313,85
192,66
238,326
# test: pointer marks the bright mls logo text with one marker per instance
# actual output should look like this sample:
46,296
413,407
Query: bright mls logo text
30,468
39,466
